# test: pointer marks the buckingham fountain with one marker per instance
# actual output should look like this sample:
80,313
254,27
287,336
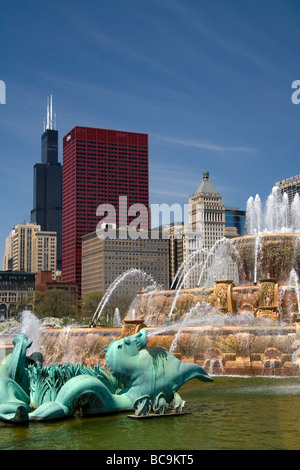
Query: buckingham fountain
240,319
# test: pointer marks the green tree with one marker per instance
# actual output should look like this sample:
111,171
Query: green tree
120,301
54,303
89,303
91,300
26,303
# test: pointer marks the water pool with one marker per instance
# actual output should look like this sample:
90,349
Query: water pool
232,413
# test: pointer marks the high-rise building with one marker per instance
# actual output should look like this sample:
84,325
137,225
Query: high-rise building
176,249
291,186
16,292
44,248
104,259
8,254
100,166
22,246
209,222
47,186
207,212
29,249
206,226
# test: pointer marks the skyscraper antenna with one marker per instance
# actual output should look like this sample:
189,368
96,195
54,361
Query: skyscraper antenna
47,123
50,121
51,116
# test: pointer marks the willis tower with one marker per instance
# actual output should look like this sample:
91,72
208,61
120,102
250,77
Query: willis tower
47,184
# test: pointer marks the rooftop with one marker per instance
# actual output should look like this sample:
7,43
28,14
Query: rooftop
206,186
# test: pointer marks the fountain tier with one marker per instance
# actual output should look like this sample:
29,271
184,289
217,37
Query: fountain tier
266,256
222,350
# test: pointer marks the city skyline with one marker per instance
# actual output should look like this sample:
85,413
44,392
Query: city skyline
210,83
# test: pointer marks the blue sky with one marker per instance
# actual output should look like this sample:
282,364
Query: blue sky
208,80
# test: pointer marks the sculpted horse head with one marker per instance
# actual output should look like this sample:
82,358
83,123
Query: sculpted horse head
121,355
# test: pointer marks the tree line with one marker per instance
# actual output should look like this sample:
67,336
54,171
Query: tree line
58,304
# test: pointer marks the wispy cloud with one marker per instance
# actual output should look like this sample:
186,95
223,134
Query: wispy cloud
178,175
170,193
207,145
175,183
248,49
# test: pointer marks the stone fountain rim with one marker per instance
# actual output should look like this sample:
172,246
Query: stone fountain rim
271,234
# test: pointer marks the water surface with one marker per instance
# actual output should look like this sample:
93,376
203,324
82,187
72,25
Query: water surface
232,413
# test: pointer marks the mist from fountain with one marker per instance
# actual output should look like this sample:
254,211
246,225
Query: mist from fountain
30,325
203,314
295,211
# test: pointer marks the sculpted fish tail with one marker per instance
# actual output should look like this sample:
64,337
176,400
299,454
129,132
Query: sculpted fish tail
194,371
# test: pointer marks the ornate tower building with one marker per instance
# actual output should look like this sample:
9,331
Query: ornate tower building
207,212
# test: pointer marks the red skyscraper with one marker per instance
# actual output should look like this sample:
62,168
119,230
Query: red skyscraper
99,166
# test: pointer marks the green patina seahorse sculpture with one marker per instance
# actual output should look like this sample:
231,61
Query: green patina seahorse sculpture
139,379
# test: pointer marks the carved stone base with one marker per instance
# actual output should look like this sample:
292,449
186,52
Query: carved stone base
130,327
267,312
222,295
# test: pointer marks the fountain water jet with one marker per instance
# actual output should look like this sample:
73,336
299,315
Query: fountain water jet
277,217
30,325
185,263
120,279
221,242
183,323
117,318
256,255
180,287
294,280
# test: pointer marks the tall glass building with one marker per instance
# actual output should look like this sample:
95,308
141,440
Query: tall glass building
235,217
47,185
